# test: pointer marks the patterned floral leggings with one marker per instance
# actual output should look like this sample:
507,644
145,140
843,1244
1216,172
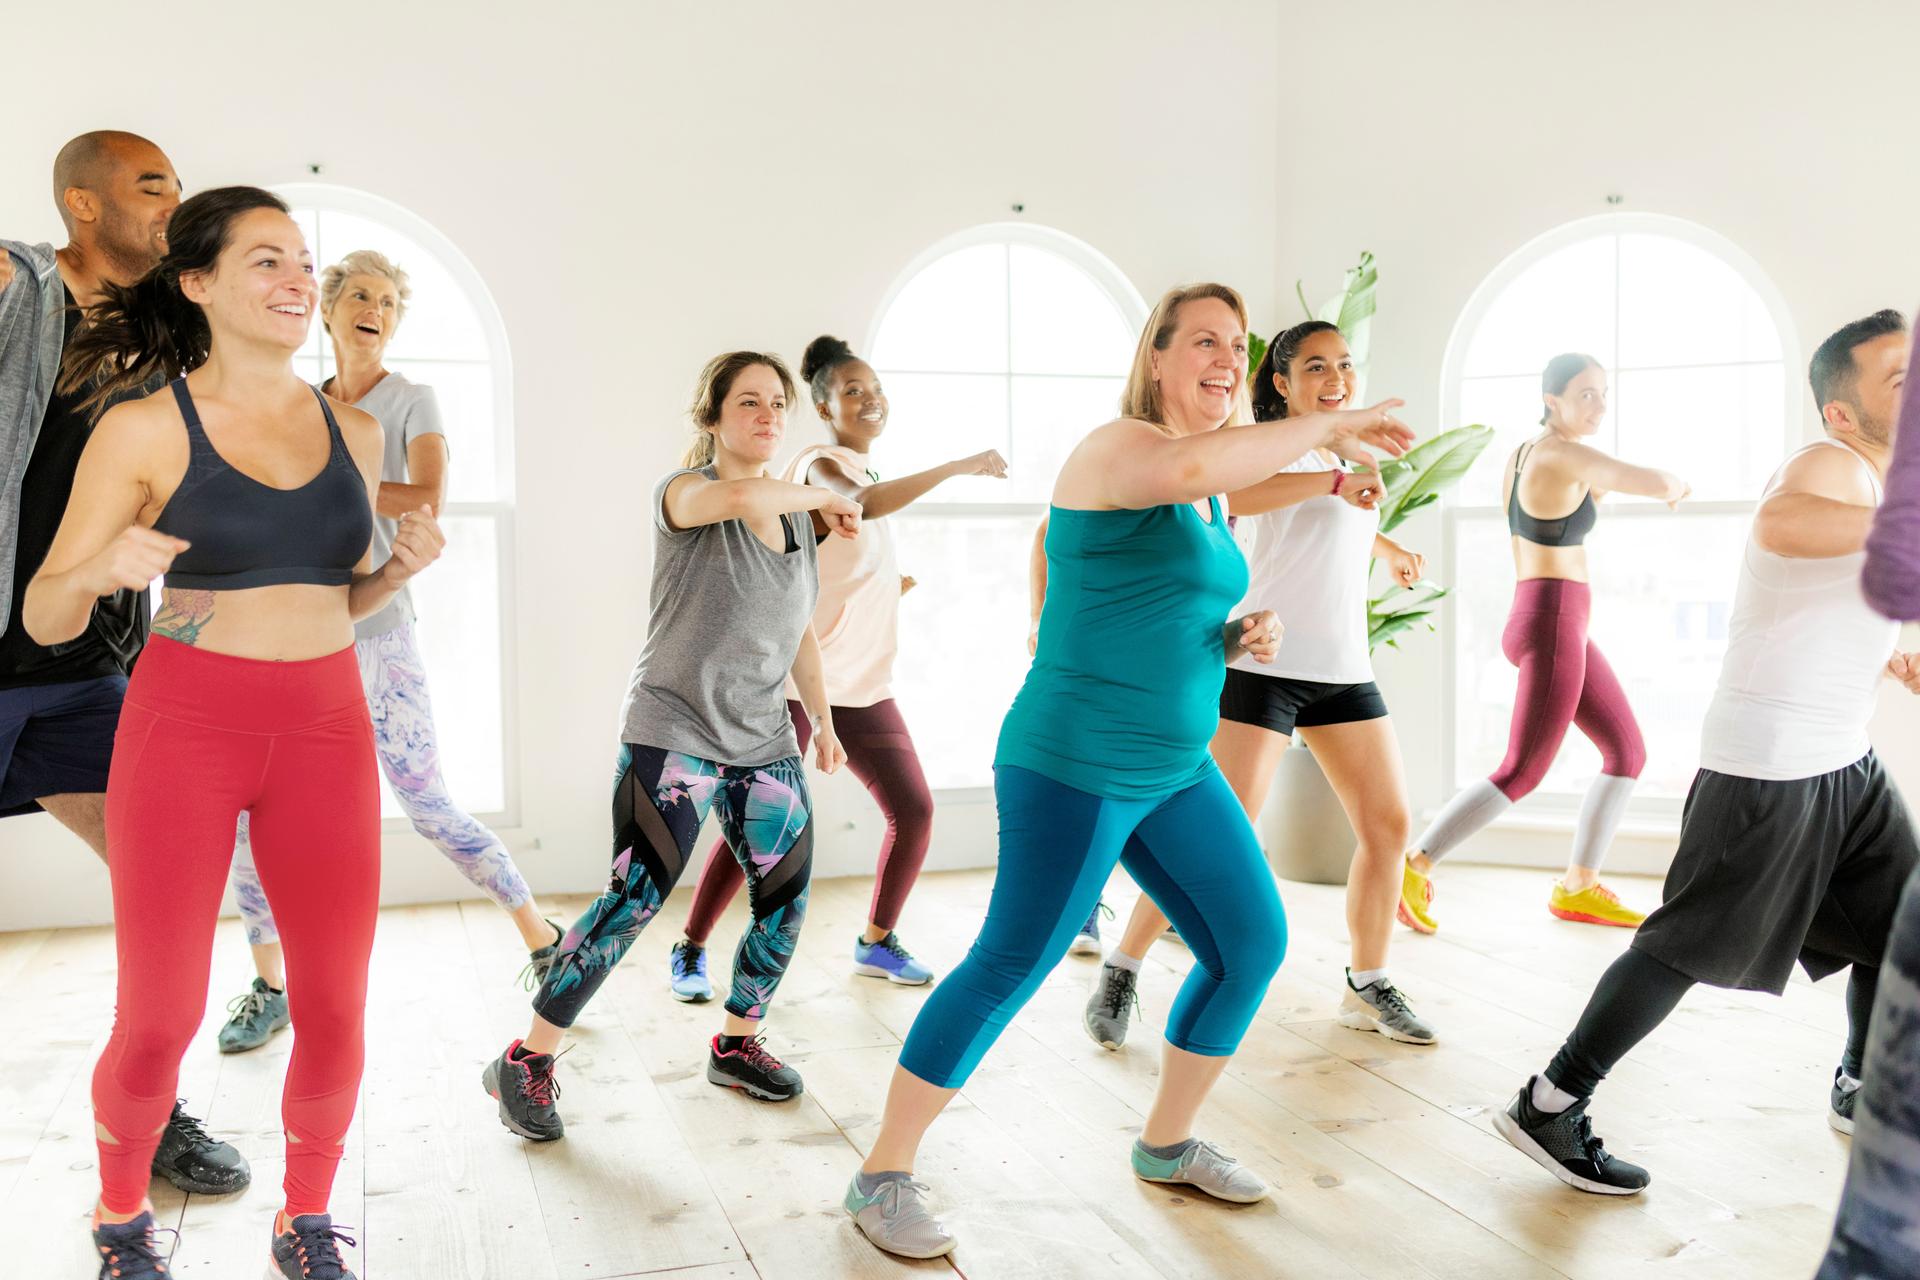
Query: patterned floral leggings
395,681
660,798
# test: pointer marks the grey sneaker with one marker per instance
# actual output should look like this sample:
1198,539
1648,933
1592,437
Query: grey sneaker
1110,1006
1381,1006
541,959
1203,1166
256,1016
1840,1105
895,1218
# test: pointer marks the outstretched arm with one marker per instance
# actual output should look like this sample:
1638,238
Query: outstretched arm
1821,507
879,498
1608,474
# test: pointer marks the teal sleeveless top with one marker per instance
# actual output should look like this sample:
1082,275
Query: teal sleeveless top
1124,693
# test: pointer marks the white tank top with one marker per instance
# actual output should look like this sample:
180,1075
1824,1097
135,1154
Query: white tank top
857,619
1803,665
1308,563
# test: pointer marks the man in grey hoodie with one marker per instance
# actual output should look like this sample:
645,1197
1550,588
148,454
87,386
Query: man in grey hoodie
60,704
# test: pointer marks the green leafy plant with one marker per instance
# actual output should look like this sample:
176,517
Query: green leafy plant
1412,482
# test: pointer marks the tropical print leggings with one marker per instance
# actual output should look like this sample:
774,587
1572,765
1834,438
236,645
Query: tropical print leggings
660,798
395,681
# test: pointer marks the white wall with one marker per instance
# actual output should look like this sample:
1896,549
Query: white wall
643,186
1444,137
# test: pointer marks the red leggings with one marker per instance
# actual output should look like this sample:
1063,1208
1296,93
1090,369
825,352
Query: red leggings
1563,680
880,753
202,737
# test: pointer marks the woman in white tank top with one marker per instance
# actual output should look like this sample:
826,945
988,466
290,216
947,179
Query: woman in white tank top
1310,533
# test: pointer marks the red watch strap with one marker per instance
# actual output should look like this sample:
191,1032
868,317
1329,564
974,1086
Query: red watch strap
1339,478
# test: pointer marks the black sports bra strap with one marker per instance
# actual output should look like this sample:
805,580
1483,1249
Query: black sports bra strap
1520,461
188,414
338,441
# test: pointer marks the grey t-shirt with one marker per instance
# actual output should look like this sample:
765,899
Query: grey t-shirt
724,621
406,411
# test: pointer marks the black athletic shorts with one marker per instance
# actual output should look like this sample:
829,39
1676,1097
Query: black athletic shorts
1807,869
56,739
1281,702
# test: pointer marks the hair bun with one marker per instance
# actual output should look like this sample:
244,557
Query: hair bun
823,351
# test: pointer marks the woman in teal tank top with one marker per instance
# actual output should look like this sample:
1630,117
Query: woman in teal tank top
1103,757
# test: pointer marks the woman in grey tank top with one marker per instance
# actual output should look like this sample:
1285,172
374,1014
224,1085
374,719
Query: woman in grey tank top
705,728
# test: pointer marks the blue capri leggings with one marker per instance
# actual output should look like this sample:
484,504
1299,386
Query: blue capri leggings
1195,855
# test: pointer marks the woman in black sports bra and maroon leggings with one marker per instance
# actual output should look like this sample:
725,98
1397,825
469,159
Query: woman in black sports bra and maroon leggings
1563,678
254,495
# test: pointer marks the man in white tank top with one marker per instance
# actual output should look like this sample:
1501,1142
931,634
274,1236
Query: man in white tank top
1795,844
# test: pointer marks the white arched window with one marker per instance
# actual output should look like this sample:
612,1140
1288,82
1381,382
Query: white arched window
1704,381
1008,337
452,340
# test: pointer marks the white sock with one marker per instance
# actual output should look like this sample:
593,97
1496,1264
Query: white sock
1358,978
1549,1097
1121,960
1477,805
1847,1083
1600,813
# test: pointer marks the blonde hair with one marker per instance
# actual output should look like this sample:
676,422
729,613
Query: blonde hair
363,262
711,391
1141,399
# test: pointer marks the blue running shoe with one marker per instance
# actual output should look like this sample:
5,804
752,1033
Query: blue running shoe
888,959
687,973
1087,941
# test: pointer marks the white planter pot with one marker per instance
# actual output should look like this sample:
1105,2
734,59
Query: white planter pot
1303,828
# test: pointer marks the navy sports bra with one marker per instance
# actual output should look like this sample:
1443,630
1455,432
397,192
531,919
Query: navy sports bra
1568,531
248,534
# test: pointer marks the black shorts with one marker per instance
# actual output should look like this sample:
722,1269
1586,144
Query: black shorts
1281,702
1808,869
56,739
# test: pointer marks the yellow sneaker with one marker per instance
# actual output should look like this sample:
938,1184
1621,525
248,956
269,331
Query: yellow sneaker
1416,901
1595,904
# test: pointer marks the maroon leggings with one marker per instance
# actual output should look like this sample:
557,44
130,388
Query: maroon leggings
203,738
1563,680
880,753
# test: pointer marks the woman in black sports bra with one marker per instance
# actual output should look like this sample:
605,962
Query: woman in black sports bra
1564,679
253,494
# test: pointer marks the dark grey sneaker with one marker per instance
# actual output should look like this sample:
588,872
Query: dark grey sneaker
128,1250
540,961
1565,1145
194,1160
1381,1006
525,1089
310,1250
256,1016
1840,1105
1111,1005
753,1070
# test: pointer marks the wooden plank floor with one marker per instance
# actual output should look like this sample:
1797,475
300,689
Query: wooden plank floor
1383,1158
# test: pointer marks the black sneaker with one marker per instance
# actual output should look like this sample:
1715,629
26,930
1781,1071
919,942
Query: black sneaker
1564,1145
1840,1105
525,1088
754,1070
310,1250
128,1250
541,960
194,1160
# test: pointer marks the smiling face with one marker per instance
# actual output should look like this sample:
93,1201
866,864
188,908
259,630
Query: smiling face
753,416
1879,373
856,405
1201,371
363,318
137,194
1320,377
261,288
1578,410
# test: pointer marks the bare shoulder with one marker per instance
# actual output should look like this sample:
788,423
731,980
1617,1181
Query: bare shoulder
361,430
143,429
1828,471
